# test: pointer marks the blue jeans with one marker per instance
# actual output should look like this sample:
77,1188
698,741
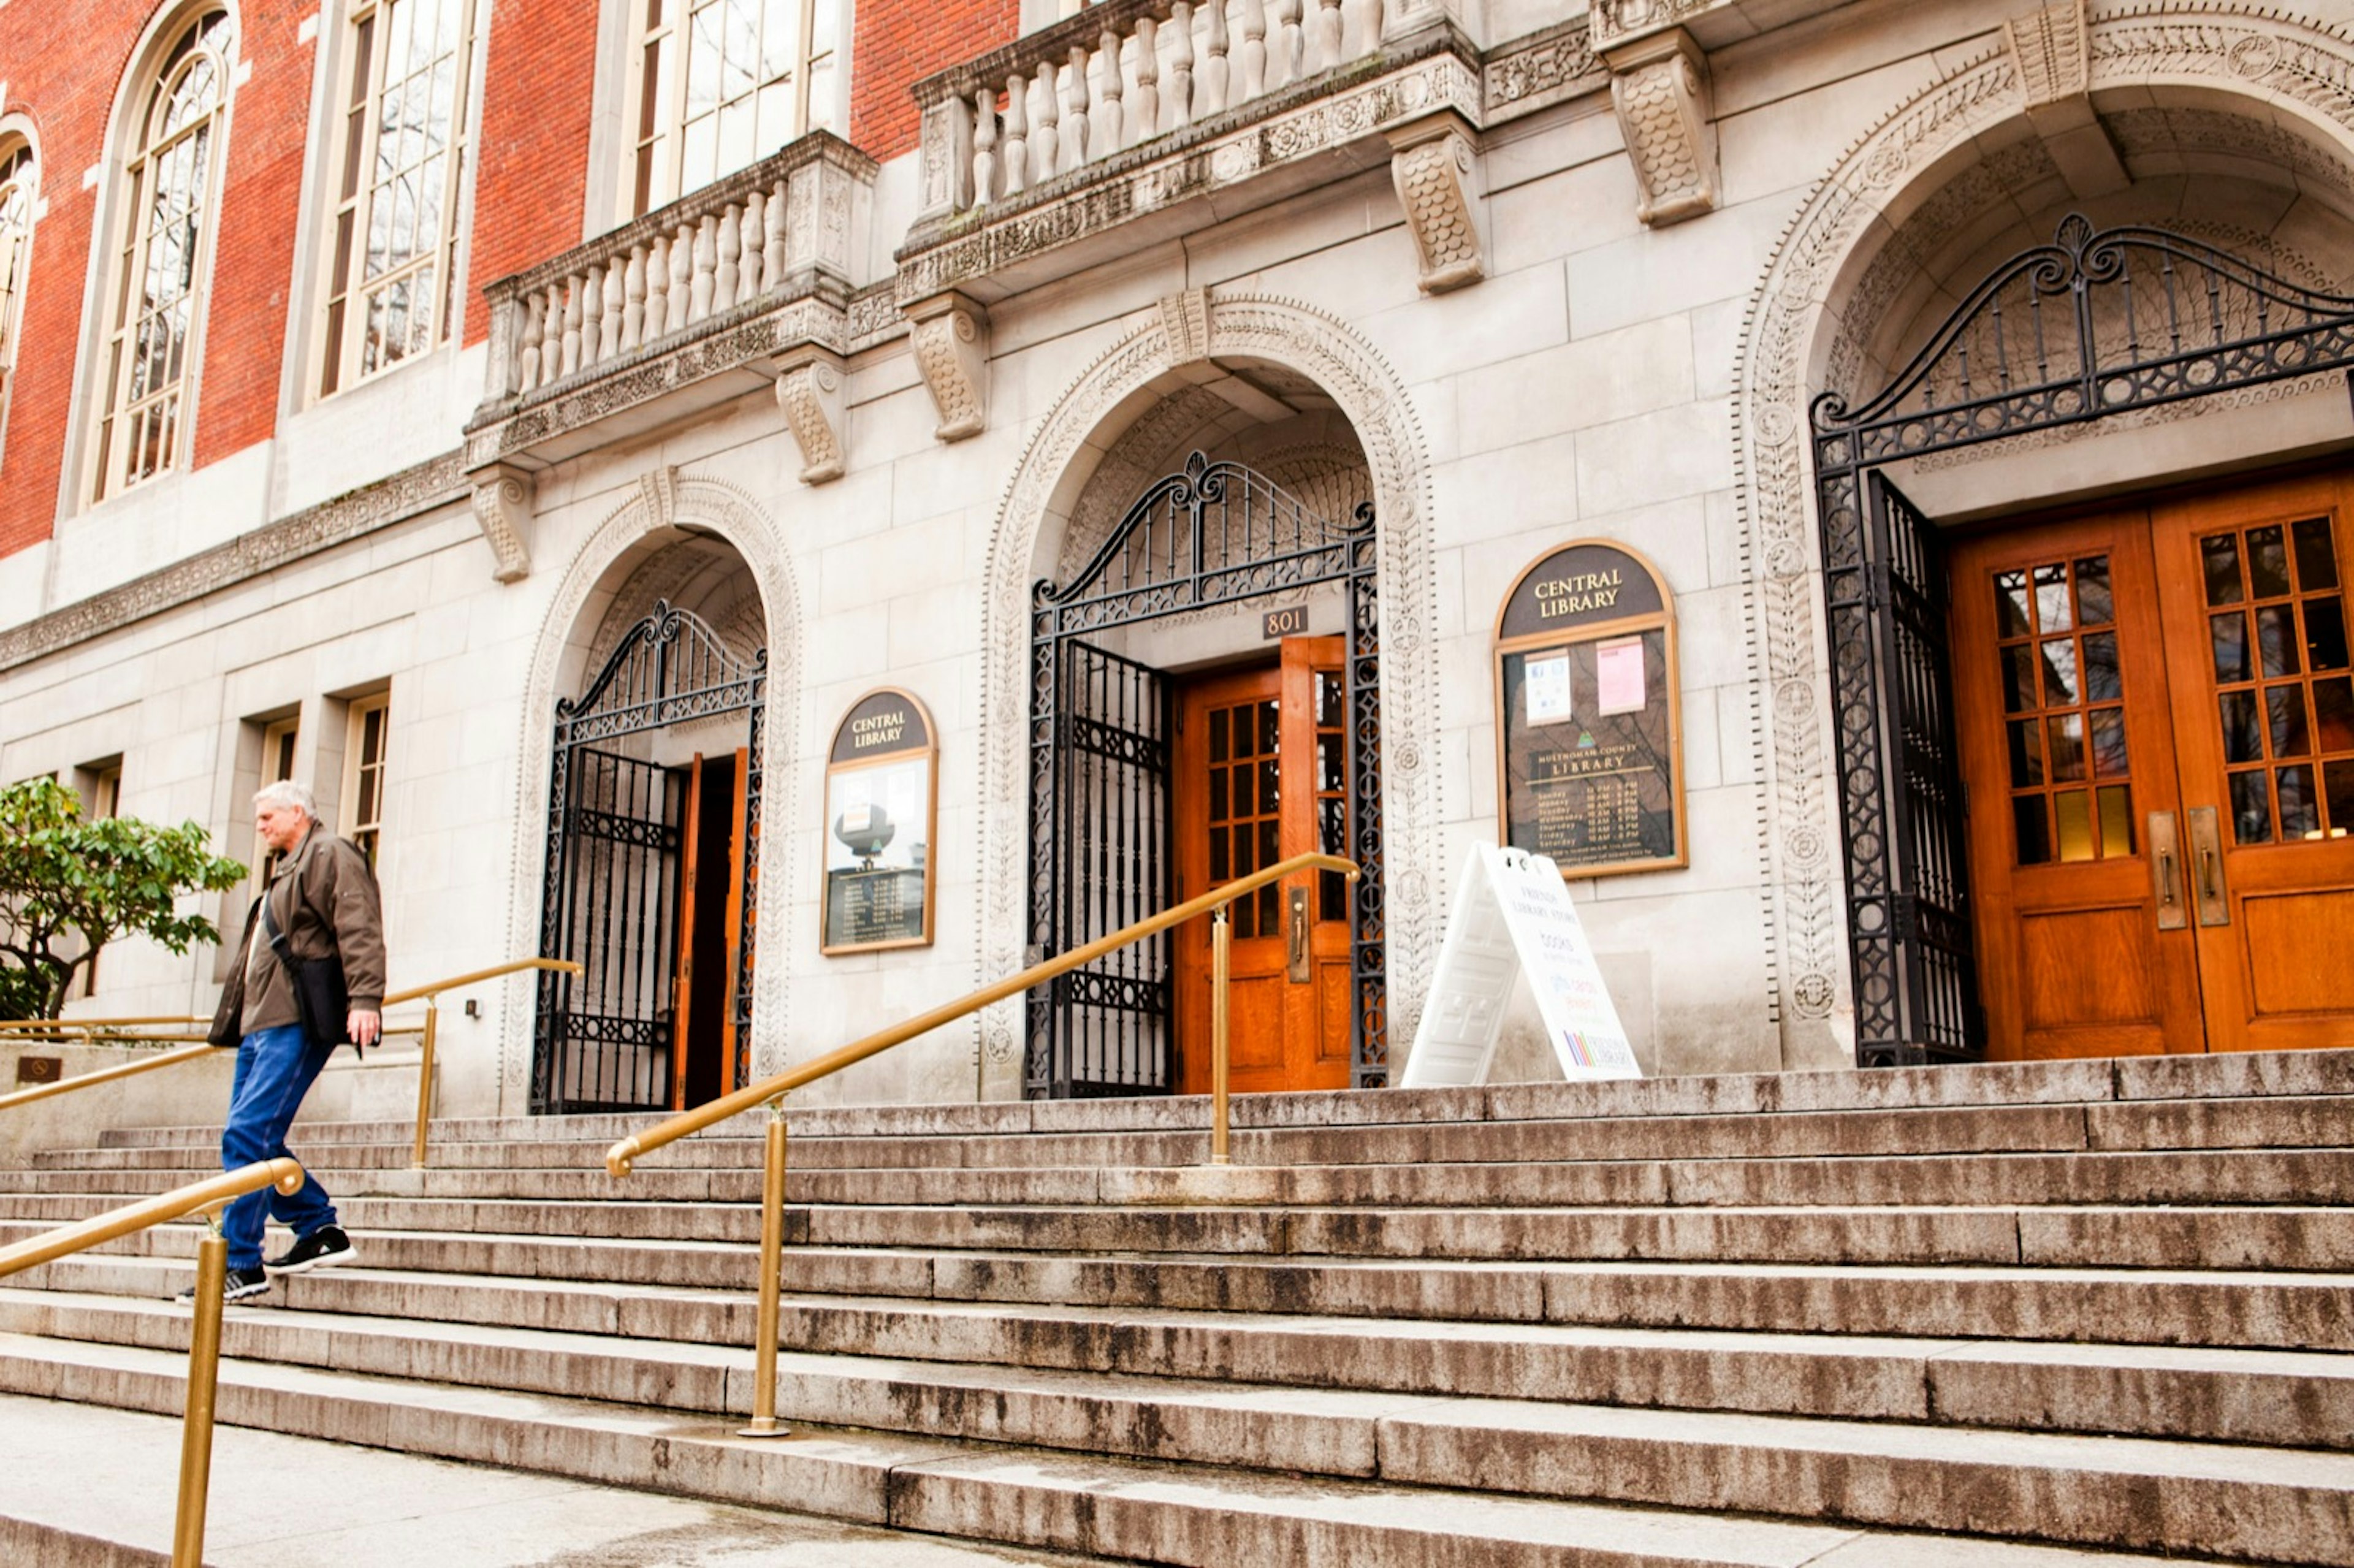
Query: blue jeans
274,1070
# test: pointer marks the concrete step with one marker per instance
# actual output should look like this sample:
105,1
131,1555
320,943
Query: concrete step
829,1371
2188,1177
2153,1307
1539,1464
2270,1240
86,1487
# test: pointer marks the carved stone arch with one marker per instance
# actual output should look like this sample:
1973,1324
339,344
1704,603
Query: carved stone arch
621,544
1040,502
2286,71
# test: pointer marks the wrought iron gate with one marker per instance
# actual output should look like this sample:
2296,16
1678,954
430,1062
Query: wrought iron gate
603,1040
2092,325
1216,534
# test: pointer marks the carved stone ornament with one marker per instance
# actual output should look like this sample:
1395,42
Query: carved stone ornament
1185,317
1660,88
949,334
503,508
1431,165
2053,52
810,392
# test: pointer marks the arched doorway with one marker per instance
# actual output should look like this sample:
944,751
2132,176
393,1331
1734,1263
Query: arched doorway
1170,756
651,872
2097,770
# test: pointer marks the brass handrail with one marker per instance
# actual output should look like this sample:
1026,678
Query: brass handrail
428,1030
204,1335
772,1091
49,1026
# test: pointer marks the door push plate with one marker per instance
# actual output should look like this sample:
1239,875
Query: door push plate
2166,871
1296,934
2206,868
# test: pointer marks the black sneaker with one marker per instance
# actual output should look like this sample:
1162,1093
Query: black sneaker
236,1285
327,1244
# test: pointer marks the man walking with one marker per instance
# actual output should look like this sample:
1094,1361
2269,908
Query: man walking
320,906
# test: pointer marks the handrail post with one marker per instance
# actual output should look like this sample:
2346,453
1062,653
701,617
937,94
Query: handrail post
772,1262
1222,947
204,1376
425,1079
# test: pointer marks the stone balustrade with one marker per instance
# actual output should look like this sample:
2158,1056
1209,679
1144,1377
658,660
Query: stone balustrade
779,231
1117,76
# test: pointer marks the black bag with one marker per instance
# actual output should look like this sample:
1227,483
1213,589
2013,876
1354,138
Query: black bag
321,999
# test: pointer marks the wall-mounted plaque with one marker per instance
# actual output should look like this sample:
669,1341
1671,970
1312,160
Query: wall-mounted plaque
1589,724
882,803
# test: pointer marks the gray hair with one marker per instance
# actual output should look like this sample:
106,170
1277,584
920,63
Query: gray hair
287,793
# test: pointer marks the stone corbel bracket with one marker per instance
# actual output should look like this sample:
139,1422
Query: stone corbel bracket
504,496
2051,51
950,335
1432,162
809,382
1660,86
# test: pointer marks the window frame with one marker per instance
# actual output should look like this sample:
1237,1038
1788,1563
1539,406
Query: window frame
207,32
640,189
366,830
282,740
351,128
20,174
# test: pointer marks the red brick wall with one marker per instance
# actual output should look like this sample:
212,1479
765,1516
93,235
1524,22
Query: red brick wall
532,173
68,91
899,43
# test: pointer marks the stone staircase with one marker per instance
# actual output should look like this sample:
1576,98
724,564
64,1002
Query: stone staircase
2067,1313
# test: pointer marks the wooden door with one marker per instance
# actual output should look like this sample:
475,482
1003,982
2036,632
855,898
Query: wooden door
710,929
1260,776
2251,584
684,1019
2085,943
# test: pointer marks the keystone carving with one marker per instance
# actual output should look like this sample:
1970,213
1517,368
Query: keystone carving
1431,165
2052,50
1185,317
1661,89
949,335
809,391
503,508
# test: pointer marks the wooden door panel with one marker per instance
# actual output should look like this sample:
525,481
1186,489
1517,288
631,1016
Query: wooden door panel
2253,585
2060,706
682,983
1332,1032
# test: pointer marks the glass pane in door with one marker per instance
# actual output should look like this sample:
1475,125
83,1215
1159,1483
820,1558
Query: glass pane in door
2281,695
2071,774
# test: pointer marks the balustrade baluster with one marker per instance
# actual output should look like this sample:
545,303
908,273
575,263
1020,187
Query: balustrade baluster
984,146
1328,36
1146,123
707,264
1252,56
1043,143
1015,158
1075,111
682,277
526,342
592,315
1209,94
633,301
752,271
1177,109
572,307
772,219
1104,132
608,326
1287,67
657,288
1365,22
551,334
725,274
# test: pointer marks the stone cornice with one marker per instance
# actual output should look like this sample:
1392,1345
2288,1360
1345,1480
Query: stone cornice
438,481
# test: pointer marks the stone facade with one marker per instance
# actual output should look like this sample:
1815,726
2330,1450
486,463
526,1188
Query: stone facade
1513,277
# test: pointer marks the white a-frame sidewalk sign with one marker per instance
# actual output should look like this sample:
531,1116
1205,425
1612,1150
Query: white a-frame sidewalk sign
1513,912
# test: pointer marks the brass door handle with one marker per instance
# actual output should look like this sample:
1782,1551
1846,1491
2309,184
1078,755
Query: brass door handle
1296,935
2166,864
2206,837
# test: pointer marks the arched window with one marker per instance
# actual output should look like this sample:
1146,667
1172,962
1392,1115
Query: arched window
401,151
171,176
18,188
720,84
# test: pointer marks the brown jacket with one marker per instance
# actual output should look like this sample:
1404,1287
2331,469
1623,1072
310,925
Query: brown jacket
324,898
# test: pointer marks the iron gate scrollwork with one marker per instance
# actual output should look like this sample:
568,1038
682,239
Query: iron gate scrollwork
2092,325
603,1040
1216,534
